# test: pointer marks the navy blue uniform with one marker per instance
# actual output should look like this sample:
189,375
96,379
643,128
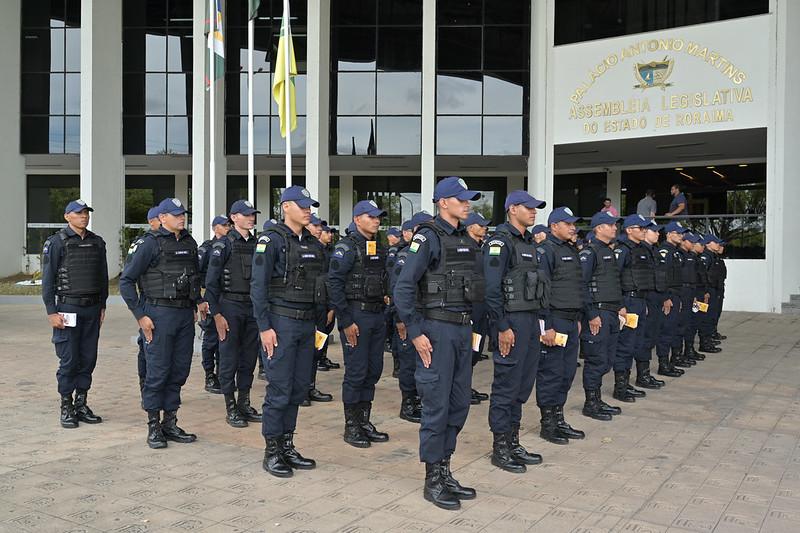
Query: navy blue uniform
480,317
239,350
654,301
210,342
635,303
289,370
363,363
707,285
686,326
321,320
669,259
515,373
445,386
406,353
76,347
169,354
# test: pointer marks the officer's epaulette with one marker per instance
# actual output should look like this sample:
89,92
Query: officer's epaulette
342,246
219,245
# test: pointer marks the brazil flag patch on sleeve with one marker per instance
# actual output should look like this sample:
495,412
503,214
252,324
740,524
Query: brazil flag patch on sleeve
414,247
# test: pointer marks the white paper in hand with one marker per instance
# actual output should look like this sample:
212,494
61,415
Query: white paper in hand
70,319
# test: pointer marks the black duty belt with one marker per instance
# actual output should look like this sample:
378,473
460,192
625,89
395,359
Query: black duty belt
369,307
634,294
291,312
236,297
82,301
606,306
178,303
454,317
565,315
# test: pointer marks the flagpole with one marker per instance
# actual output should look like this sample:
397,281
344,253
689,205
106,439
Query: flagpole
287,95
251,165
212,71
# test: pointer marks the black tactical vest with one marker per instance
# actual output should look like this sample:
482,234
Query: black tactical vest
303,279
669,267
367,280
639,274
715,271
701,270
176,274
238,268
604,286
454,282
522,288
689,268
659,274
81,268
567,277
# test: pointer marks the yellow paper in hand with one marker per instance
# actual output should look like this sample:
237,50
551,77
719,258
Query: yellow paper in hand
561,339
632,320
703,307
372,247
320,339
476,341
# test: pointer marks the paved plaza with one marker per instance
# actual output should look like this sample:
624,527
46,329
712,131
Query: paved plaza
715,450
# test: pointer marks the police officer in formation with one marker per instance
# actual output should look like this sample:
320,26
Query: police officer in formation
163,265
705,292
410,403
287,280
559,263
682,348
716,281
324,317
658,304
228,297
357,284
669,267
477,228
514,295
394,238
434,296
154,223
210,341
75,290
719,250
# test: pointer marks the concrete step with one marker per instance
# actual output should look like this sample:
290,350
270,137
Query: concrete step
790,308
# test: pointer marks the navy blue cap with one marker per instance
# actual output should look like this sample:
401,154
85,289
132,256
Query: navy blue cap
76,206
300,196
676,227
152,213
708,239
721,242
454,187
394,231
475,218
539,228
368,207
326,228
523,198
603,217
317,221
220,219
653,226
419,218
243,207
407,226
635,220
171,206
562,214
269,223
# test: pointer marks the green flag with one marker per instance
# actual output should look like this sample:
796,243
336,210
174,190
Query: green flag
216,43
253,7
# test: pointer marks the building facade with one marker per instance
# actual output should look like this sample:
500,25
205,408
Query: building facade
574,100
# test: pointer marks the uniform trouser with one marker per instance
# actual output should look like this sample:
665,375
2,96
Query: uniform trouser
141,361
685,332
628,337
557,366
76,348
515,373
718,306
480,325
599,350
363,363
407,357
444,387
169,356
706,321
649,335
238,353
668,330
319,355
287,374
210,344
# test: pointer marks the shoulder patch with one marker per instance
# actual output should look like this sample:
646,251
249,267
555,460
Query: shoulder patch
414,247
617,251
264,239
496,242
663,252
419,238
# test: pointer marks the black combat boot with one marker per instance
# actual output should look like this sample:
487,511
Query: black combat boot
395,367
436,490
69,419
565,429
155,435
666,369
141,383
234,418
613,410
82,410
519,452
274,462
678,360
408,407
707,346
293,457
501,455
331,364
718,337
643,377
315,395
636,393
353,433
482,396
243,404
621,388
459,491
212,383
171,430
370,430
549,427
689,354
591,407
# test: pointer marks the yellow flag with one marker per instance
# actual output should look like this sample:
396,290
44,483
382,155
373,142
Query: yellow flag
279,82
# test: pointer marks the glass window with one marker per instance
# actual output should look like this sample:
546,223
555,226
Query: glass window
278,145
400,49
356,94
459,12
459,48
458,135
399,12
502,135
503,93
46,197
458,95
399,196
399,136
353,135
399,93
353,12
143,192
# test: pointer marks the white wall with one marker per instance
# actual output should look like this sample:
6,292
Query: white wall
745,288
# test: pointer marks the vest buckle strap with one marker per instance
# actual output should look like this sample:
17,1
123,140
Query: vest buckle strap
291,312
453,317
82,301
236,297
178,303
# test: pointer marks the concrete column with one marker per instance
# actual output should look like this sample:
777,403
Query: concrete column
428,159
201,223
182,187
262,199
613,188
318,103
346,202
12,201
540,160
102,164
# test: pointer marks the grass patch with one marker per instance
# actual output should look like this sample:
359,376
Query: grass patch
8,286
